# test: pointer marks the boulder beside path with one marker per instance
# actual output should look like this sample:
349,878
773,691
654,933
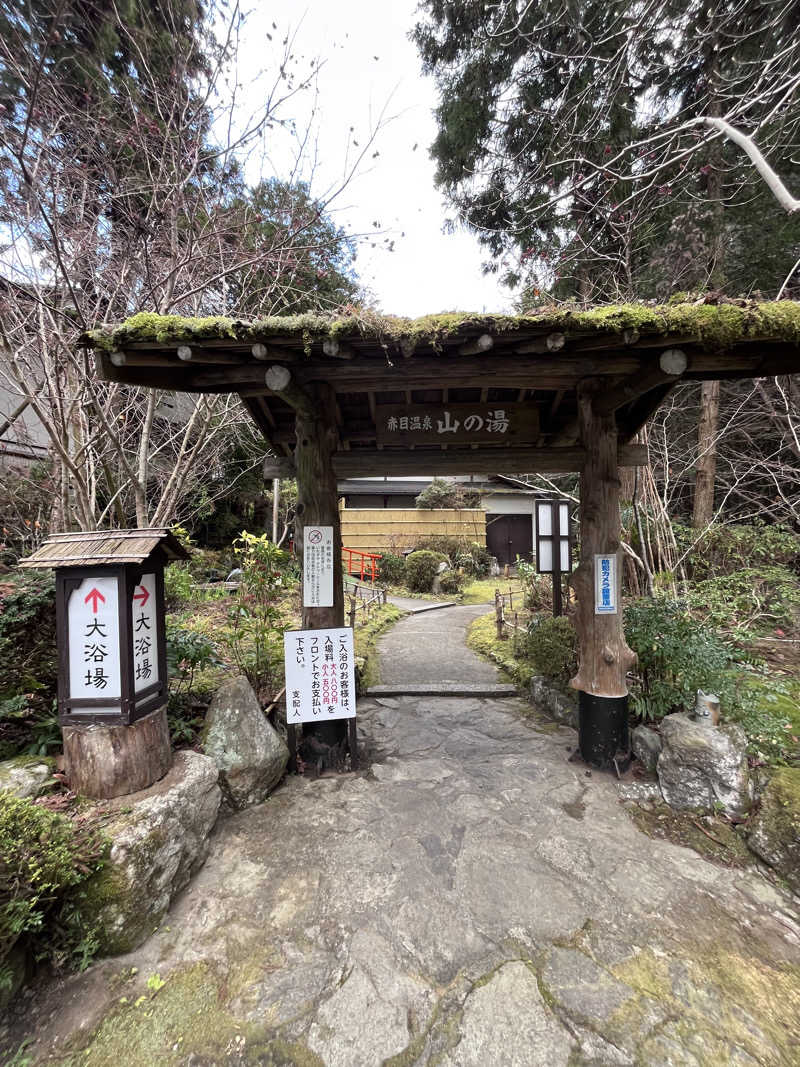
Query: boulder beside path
703,767
159,840
250,754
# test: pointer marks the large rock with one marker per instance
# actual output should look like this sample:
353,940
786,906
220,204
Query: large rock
250,755
701,767
557,704
26,776
159,839
775,835
646,745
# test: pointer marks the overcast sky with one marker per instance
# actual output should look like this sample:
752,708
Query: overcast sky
370,67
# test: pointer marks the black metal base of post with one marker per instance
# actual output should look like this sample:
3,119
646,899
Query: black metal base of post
603,729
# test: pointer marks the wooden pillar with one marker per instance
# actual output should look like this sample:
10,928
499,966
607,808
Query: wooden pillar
317,496
604,656
317,505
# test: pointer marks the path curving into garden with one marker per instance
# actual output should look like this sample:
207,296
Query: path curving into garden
430,647
473,899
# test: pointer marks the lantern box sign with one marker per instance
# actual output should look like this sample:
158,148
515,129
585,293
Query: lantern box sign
553,536
320,675
109,622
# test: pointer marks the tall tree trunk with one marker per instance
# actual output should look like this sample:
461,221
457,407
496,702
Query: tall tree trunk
706,455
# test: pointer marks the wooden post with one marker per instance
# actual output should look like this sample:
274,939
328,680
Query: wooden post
317,505
604,657
498,610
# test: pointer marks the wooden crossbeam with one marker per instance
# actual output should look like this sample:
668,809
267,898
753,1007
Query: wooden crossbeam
366,462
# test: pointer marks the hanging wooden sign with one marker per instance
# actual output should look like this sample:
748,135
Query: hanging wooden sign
441,424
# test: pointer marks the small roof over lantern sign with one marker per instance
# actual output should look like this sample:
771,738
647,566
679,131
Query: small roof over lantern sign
109,621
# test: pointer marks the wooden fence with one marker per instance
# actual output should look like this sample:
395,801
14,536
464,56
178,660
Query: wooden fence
393,529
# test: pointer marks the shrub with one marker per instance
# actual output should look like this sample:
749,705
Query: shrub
421,568
391,569
43,857
462,553
28,665
28,651
255,640
537,588
445,494
452,582
551,647
677,656
748,601
723,549
188,653
178,585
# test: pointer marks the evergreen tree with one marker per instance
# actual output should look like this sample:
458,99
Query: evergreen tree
564,138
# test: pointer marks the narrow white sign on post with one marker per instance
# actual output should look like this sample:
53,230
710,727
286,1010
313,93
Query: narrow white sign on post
318,567
605,584
144,630
320,675
93,624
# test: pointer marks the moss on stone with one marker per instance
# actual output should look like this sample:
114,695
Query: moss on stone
185,1018
715,325
726,995
121,900
775,833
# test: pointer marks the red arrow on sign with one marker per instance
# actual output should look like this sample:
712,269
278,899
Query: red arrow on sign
94,595
142,595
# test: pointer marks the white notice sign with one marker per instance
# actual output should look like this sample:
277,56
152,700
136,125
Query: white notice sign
605,584
318,567
145,634
320,675
93,623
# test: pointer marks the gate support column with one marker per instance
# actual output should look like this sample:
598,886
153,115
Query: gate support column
317,505
604,656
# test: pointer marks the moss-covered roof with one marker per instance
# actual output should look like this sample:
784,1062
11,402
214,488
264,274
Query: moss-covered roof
716,326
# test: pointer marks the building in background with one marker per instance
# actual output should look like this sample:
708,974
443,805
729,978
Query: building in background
507,501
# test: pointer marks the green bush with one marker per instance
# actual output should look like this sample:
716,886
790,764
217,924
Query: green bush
442,493
188,653
391,569
178,585
723,549
255,639
677,656
452,582
537,588
551,648
43,857
749,601
461,553
421,568
28,665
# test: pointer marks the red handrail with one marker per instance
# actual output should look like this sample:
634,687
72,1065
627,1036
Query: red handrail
366,563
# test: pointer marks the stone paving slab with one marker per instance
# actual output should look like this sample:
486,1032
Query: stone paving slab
419,607
433,689
473,900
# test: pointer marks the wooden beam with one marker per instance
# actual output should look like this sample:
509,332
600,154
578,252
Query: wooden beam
362,463
672,363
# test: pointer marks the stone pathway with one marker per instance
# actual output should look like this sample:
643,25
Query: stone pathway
430,648
474,901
